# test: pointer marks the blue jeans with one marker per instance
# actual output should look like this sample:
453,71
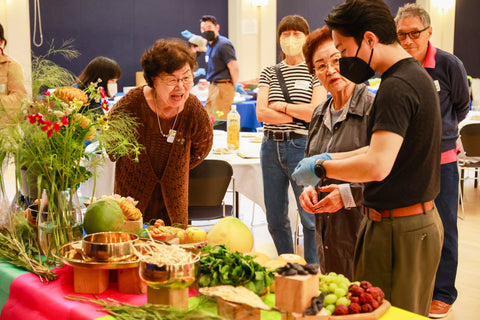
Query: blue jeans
278,160
447,206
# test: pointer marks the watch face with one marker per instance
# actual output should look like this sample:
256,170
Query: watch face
320,170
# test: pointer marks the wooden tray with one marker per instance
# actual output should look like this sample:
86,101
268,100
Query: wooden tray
376,314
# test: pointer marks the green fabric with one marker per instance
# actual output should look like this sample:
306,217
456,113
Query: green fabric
9,272
211,306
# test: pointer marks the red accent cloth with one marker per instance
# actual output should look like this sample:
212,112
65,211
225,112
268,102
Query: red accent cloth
449,156
430,57
31,299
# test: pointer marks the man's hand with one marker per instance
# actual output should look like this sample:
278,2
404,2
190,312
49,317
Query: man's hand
304,174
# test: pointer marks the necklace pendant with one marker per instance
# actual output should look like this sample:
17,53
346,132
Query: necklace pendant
171,135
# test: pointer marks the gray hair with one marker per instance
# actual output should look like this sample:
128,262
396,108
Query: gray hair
413,10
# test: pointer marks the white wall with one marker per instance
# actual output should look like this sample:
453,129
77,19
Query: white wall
14,16
252,31
443,23
255,45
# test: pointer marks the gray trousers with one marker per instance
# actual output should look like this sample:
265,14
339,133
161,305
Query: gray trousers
401,256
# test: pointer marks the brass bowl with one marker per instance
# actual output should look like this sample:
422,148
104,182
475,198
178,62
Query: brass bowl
108,246
179,276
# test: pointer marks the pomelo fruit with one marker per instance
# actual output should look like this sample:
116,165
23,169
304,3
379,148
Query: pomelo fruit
259,257
232,233
292,258
102,216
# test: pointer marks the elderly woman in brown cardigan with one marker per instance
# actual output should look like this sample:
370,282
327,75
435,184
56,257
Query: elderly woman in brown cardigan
174,129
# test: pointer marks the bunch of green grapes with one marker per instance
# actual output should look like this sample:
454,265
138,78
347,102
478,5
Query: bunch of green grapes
335,287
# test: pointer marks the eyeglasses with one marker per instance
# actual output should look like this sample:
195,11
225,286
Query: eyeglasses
322,67
412,34
172,81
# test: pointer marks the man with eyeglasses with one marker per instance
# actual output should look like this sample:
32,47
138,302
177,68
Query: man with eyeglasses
222,68
450,79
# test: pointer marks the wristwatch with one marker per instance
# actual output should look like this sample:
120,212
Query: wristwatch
320,169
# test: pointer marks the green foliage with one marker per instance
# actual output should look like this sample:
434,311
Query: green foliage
47,73
147,311
19,247
222,267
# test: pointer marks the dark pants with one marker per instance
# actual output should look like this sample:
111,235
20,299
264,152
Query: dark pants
447,206
401,256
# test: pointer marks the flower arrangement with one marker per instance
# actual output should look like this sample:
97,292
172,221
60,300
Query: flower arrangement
46,138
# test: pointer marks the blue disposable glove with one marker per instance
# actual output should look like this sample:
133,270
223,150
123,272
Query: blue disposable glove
304,174
239,88
200,72
187,34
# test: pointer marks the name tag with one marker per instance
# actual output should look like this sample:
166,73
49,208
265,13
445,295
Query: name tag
437,85
206,59
302,84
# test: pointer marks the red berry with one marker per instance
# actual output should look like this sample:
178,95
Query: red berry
354,308
367,308
355,300
365,284
341,310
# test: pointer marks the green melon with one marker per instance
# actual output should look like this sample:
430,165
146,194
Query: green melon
102,216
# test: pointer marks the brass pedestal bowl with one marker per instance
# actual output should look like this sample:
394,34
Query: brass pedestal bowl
175,277
108,246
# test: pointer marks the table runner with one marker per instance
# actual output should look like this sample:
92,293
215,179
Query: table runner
29,298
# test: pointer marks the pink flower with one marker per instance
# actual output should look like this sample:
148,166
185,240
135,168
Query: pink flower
47,93
212,118
36,117
102,92
64,121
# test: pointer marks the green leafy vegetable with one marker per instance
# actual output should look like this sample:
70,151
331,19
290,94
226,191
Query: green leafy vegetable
222,267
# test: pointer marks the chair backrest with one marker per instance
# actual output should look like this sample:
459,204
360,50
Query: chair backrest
470,137
209,182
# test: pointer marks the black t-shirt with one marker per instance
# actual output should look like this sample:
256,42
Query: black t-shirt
407,104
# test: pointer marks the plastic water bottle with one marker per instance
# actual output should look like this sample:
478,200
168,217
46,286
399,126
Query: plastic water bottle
233,128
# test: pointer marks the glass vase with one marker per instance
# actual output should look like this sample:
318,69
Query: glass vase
60,221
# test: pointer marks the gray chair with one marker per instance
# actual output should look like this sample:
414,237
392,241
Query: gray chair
208,184
470,158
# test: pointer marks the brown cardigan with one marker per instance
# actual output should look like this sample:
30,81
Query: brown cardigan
192,144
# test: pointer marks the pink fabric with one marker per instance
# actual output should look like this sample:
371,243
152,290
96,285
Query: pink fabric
31,299
449,156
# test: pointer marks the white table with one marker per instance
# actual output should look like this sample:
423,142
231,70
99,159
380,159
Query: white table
248,172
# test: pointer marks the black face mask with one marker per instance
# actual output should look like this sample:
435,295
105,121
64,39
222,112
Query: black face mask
209,35
198,53
355,69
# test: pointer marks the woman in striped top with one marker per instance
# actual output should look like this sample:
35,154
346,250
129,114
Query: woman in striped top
287,96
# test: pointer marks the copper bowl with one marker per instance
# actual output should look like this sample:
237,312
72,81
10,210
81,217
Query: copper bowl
176,276
108,246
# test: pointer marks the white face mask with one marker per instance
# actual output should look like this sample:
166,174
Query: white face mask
292,45
112,89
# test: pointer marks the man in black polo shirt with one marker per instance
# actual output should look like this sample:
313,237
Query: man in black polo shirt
222,68
400,239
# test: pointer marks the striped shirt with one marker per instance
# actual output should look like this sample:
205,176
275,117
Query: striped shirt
300,84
